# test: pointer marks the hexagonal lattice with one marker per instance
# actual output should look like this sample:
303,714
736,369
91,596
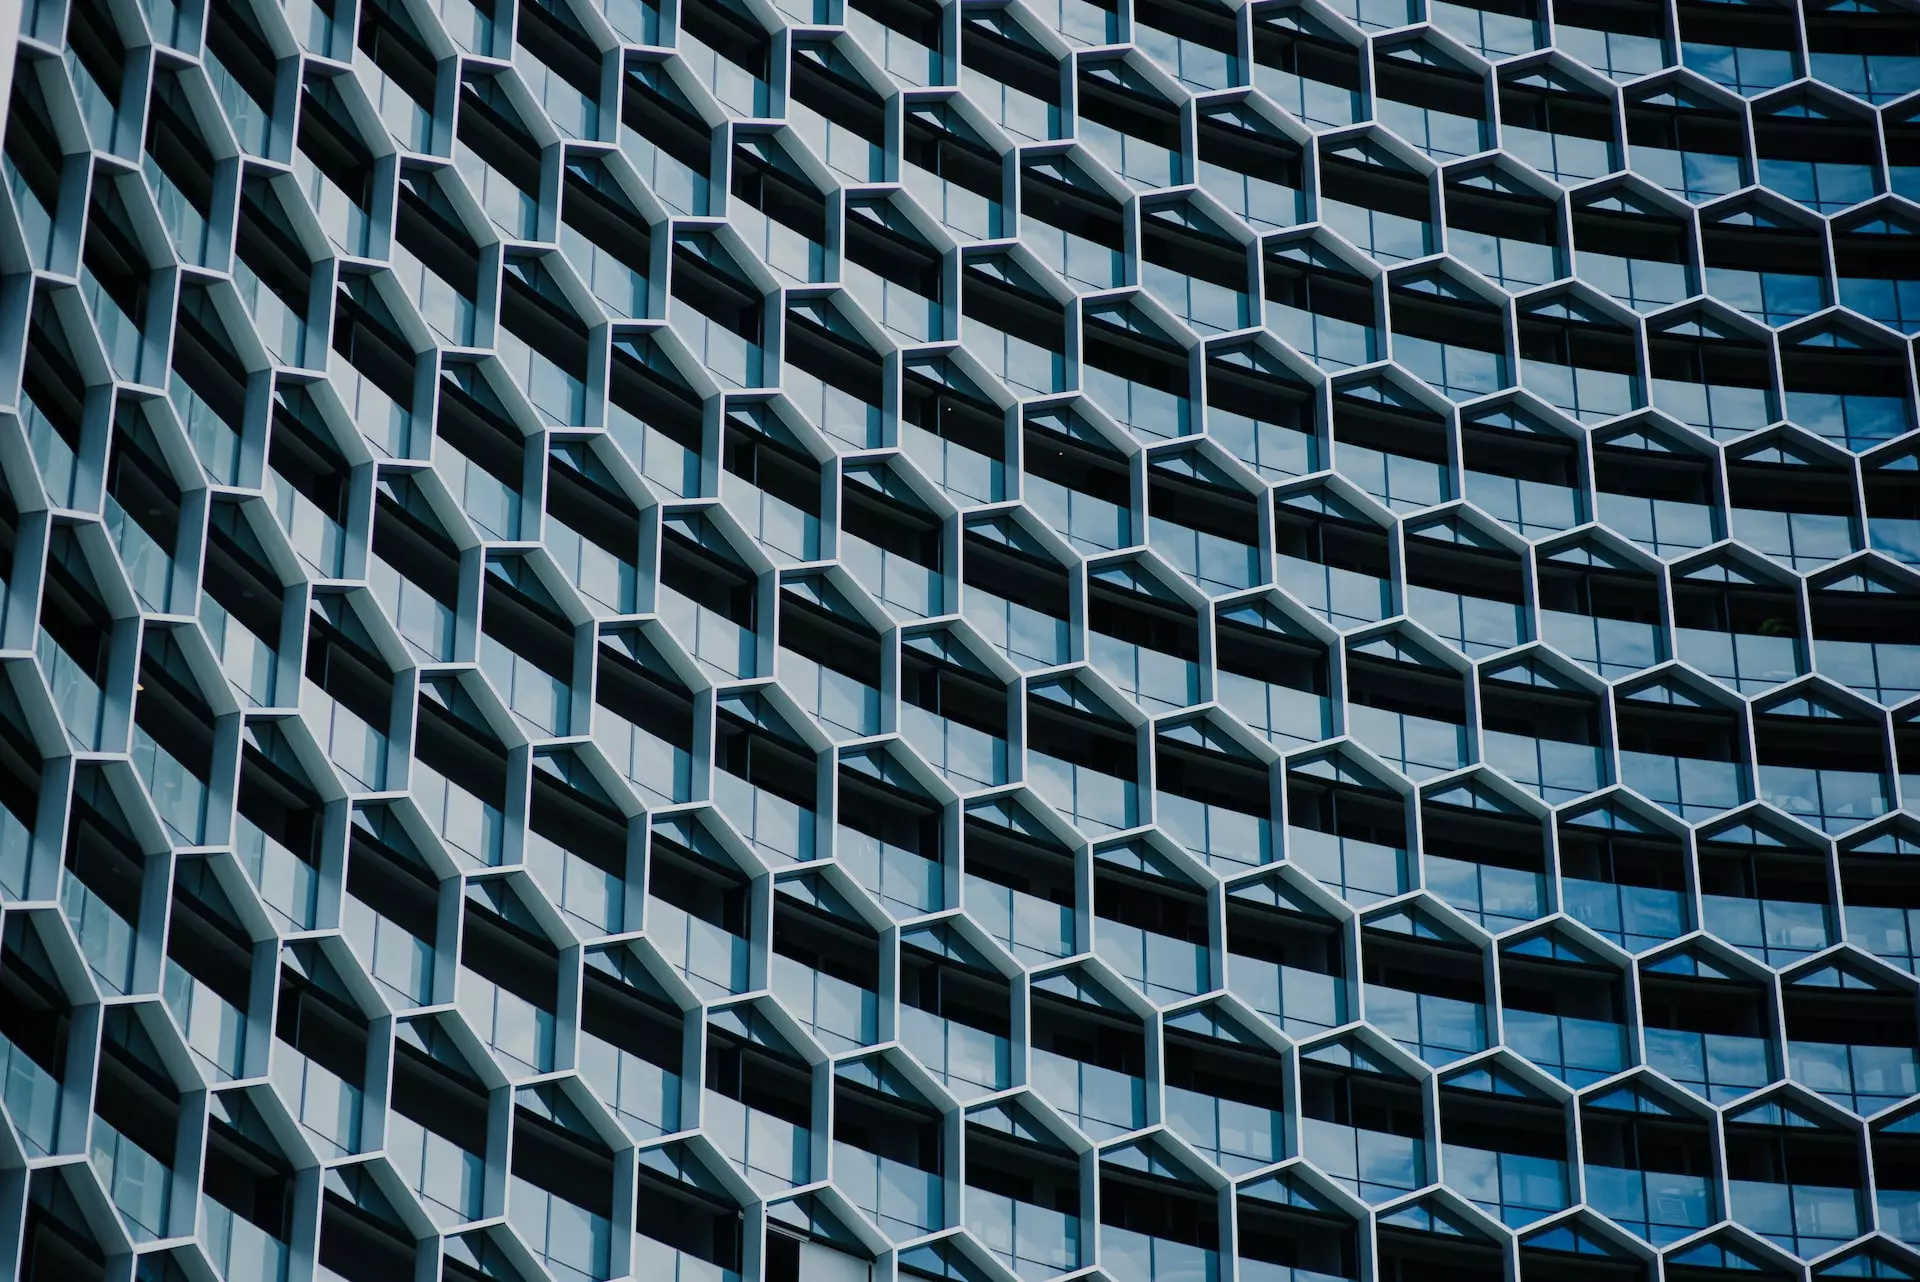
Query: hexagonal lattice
713,640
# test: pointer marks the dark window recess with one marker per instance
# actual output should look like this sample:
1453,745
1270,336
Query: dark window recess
170,710
730,32
654,108
519,615
509,953
52,381
613,225
367,335
532,309
1405,430
776,765
1544,457
699,1221
139,480
1150,903
302,454
174,140
871,241
489,125
1429,967
206,361
917,20
1703,1005
1111,99
316,1021
776,1083
235,38
1012,859
1538,710
247,1177
830,638
390,37
979,998
1311,54
1159,1208
581,824
427,228
238,575
698,886
1619,233
1685,128
396,885
266,243
659,400
826,943
780,191
836,359
342,661
113,255
1458,567
71,614
772,464
554,37
1017,1168
1764,244
1346,810
822,82
1364,1100
953,414
1704,733
331,140
33,144
888,1126
1087,1033
1331,538
1229,142
639,1023
1094,742
205,938
935,142
646,697
133,1093
459,750
35,1015
439,1096
951,691
1284,937
708,284
704,576
570,1164
414,544
1198,504
1071,208
1137,618
1621,468
888,523
280,804
363,1243
1553,108
1004,299
1408,688
1482,837
583,499
993,45
1396,191
1297,1237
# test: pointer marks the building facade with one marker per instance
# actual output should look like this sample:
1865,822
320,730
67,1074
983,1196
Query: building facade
849,640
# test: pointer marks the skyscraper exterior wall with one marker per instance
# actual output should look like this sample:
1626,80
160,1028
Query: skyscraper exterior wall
850,640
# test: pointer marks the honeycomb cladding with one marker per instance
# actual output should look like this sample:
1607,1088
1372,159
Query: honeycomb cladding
848,640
